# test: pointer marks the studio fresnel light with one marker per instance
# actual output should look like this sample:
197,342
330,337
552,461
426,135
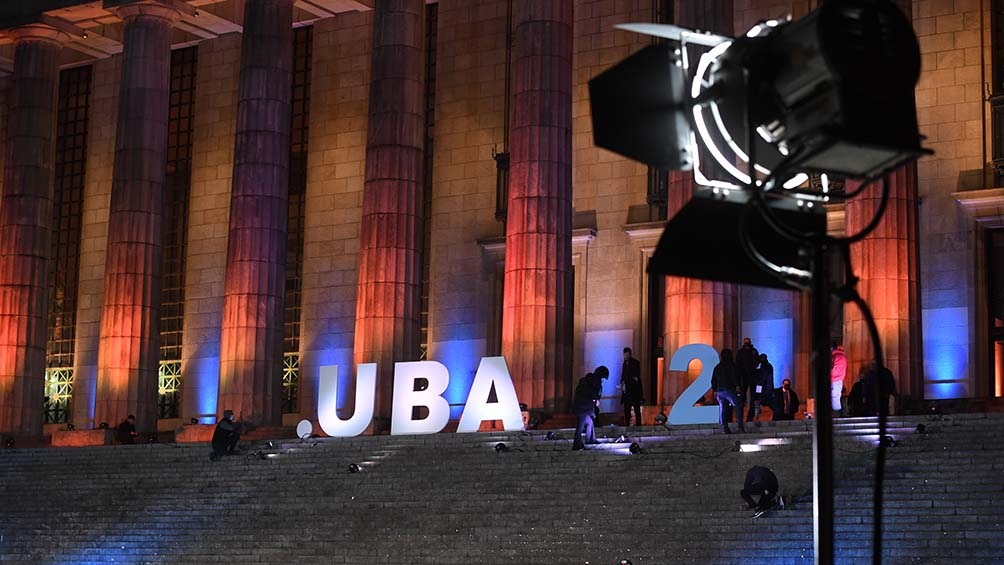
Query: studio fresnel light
831,93
766,121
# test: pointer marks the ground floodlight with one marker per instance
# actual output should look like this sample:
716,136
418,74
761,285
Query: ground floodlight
921,429
501,447
103,426
70,427
151,437
9,444
634,448
354,468
551,436
887,441
194,421
621,439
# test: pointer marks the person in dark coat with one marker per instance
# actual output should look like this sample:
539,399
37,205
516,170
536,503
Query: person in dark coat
723,382
632,395
584,404
785,402
872,391
746,362
763,387
760,482
126,431
226,436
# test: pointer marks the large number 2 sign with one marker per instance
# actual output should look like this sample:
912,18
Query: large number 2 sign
684,411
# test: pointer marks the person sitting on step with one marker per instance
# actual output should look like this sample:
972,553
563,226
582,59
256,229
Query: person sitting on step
226,436
761,482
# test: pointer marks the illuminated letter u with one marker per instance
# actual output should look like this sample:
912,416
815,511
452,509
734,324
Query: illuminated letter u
327,401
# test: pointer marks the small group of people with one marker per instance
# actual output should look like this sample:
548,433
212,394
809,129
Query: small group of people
747,380
225,440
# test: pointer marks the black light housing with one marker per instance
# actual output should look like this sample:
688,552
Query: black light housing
639,108
688,248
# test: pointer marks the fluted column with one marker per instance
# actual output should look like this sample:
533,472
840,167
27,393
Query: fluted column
128,351
388,306
886,262
536,333
251,342
25,215
697,311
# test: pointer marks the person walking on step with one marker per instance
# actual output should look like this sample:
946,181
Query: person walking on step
632,395
838,370
746,361
763,387
785,402
723,382
226,436
760,482
584,405
125,433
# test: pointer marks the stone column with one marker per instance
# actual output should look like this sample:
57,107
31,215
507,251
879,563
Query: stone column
128,350
25,216
536,334
886,262
251,341
388,305
697,311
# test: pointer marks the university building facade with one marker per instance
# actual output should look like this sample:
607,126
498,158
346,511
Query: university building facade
204,202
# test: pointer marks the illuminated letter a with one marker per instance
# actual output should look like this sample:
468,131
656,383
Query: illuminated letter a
492,370
327,401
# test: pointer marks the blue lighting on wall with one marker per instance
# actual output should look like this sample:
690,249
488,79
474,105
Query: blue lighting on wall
461,358
946,353
203,376
774,337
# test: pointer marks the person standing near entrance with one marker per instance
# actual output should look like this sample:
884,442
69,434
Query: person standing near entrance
632,395
746,361
838,370
785,402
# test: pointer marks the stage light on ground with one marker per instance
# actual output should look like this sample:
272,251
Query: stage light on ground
551,436
620,439
70,427
661,418
354,468
9,444
103,426
151,437
634,448
270,444
887,441
737,447
501,447
921,429
194,421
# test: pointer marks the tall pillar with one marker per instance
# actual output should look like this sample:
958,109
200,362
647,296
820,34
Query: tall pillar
128,350
25,214
886,263
697,311
537,302
388,321
251,341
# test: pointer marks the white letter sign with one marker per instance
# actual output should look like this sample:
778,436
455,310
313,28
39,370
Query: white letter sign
492,370
406,398
327,401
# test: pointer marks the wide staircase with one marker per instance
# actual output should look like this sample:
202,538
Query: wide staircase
463,498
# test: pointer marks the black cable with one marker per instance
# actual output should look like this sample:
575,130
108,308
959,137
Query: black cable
880,453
